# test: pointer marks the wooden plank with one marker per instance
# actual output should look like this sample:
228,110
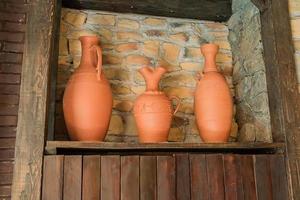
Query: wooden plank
7,154
110,177
215,174
232,178
91,178
199,181
33,99
196,9
148,178
53,177
52,146
53,73
247,173
279,178
183,183
166,188
130,176
284,98
5,191
72,177
263,177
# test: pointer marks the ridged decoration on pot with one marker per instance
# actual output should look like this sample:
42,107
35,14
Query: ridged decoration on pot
213,100
153,110
87,101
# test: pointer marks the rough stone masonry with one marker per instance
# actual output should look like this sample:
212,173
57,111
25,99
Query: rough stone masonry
132,41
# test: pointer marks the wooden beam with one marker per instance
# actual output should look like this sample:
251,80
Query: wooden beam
284,98
219,10
53,146
31,127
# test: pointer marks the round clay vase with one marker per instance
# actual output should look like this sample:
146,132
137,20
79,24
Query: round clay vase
87,101
153,110
213,101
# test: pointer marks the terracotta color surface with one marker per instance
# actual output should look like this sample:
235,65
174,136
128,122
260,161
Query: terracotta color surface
87,102
153,110
213,101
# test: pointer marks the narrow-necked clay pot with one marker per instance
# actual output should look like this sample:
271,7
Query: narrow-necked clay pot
153,109
87,102
213,101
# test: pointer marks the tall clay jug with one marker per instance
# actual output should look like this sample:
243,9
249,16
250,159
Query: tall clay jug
87,102
213,101
153,109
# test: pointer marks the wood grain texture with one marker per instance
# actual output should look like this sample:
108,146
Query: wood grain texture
130,177
232,178
199,181
53,146
53,178
195,9
53,73
72,177
284,99
33,100
279,178
110,177
148,189
263,177
247,173
215,174
183,183
166,187
91,177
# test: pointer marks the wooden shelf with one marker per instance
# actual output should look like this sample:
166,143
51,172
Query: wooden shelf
58,147
219,10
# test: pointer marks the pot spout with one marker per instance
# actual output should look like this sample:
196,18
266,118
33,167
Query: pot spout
152,77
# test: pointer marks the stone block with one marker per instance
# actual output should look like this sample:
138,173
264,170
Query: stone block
171,52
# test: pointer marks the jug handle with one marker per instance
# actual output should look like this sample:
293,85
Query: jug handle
99,63
178,103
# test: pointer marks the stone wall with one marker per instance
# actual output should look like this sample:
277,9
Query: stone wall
132,41
294,7
249,79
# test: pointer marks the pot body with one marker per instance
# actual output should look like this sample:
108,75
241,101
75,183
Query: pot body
213,101
213,108
153,115
87,101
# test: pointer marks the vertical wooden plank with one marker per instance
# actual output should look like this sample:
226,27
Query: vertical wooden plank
215,176
130,176
91,178
183,184
31,128
53,73
53,177
110,177
232,178
166,178
263,177
279,178
247,172
284,98
199,181
148,189
72,177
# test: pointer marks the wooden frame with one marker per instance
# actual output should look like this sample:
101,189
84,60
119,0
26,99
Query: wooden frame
32,117
40,47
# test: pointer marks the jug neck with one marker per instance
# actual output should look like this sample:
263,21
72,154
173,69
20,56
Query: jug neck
209,51
89,55
152,77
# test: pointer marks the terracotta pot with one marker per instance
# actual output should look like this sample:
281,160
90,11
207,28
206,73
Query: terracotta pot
213,101
153,109
87,102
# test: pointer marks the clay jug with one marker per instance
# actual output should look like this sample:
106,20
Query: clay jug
213,101
87,101
153,109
